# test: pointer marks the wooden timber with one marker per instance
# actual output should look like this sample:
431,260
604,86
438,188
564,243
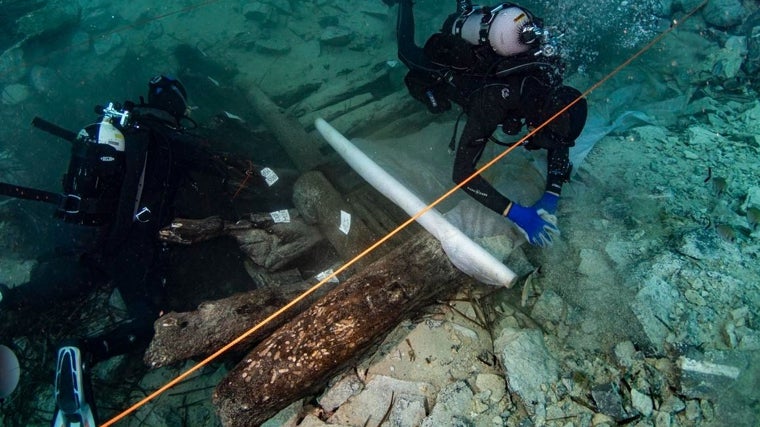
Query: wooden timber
299,357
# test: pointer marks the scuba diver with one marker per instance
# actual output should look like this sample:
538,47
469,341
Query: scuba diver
503,68
124,172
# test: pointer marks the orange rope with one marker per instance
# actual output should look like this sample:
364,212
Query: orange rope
387,237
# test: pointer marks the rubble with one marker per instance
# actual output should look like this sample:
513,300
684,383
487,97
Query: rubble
637,218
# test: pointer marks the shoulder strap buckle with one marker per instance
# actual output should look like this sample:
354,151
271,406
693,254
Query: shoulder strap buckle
70,203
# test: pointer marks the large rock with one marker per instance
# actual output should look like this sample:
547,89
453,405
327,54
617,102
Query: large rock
609,400
728,61
642,402
14,272
751,30
653,305
707,376
701,244
528,365
15,94
724,13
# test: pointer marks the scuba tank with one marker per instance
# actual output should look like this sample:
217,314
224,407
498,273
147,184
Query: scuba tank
508,29
95,174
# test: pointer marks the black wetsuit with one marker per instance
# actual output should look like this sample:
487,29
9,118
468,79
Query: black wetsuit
492,90
126,250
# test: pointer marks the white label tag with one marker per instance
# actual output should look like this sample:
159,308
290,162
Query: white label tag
280,216
269,176
345,222
321,276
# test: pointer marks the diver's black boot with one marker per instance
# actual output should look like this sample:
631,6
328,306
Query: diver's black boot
73,405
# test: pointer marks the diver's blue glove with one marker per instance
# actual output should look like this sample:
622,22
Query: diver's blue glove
547,202
536,229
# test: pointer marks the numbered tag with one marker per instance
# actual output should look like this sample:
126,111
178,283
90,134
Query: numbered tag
280,216
323,275
345,222
269,176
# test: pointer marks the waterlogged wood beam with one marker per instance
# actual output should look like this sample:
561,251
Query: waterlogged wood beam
301,356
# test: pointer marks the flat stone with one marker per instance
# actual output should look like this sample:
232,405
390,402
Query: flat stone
707,376
651,133
407,407
708,410
12,65
528,365
699,136
694,297
653,305
728,60
257,11
662,419
277,47
642,402
336,36
340,392
14,272
701,243
608,400
672,404
15,94
625,353
749,340
288,416
693,411
602,420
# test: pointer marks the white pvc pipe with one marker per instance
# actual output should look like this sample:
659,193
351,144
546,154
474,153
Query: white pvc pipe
465,254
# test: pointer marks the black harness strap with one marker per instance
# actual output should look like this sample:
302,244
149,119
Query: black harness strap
20,192
66,203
